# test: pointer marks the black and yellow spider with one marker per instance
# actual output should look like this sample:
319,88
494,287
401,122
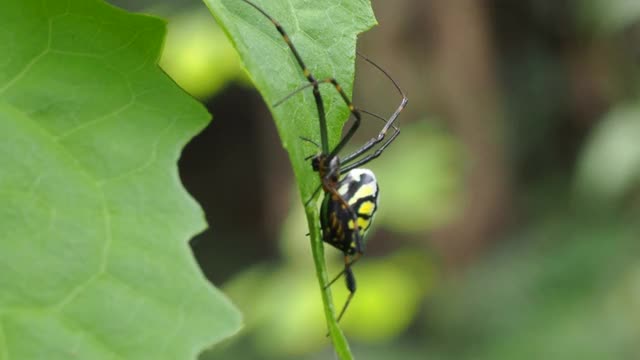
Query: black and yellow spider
350,201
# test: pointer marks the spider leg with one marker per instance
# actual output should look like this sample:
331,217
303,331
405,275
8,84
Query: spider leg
313,196
353,260
370,157
316,91
354,111
350,280
389,123
351,286
370,144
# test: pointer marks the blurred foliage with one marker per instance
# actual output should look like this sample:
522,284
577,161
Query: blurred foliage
608,16
554,293
425,164
198,55
609,166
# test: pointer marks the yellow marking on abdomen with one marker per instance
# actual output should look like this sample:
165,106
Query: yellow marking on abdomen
363,192
367,208
363,224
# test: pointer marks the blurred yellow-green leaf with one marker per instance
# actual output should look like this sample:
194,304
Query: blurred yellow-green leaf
610,164
197,54
420,179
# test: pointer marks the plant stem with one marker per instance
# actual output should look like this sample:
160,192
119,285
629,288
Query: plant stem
340,343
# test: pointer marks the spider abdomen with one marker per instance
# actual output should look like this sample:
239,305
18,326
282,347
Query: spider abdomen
359,189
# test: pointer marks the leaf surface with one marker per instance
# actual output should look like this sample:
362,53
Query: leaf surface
324,33
94,223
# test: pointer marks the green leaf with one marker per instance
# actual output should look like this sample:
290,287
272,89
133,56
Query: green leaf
324,33
94,223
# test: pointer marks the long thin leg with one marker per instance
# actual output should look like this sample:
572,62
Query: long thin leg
342,170
389,123
320,106
381,135
313,196
394,127
309,141
353,260
368,146
307,74
370,157
373,141
331,81
350,279
314,83
354,111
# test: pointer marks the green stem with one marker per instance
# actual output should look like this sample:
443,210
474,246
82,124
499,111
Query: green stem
340,343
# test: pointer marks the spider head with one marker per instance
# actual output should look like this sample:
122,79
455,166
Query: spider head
327,167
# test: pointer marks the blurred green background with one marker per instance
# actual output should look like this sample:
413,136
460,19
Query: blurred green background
510,203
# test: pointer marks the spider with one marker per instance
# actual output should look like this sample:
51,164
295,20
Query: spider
350,193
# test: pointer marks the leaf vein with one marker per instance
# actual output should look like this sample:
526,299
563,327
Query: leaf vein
31,63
